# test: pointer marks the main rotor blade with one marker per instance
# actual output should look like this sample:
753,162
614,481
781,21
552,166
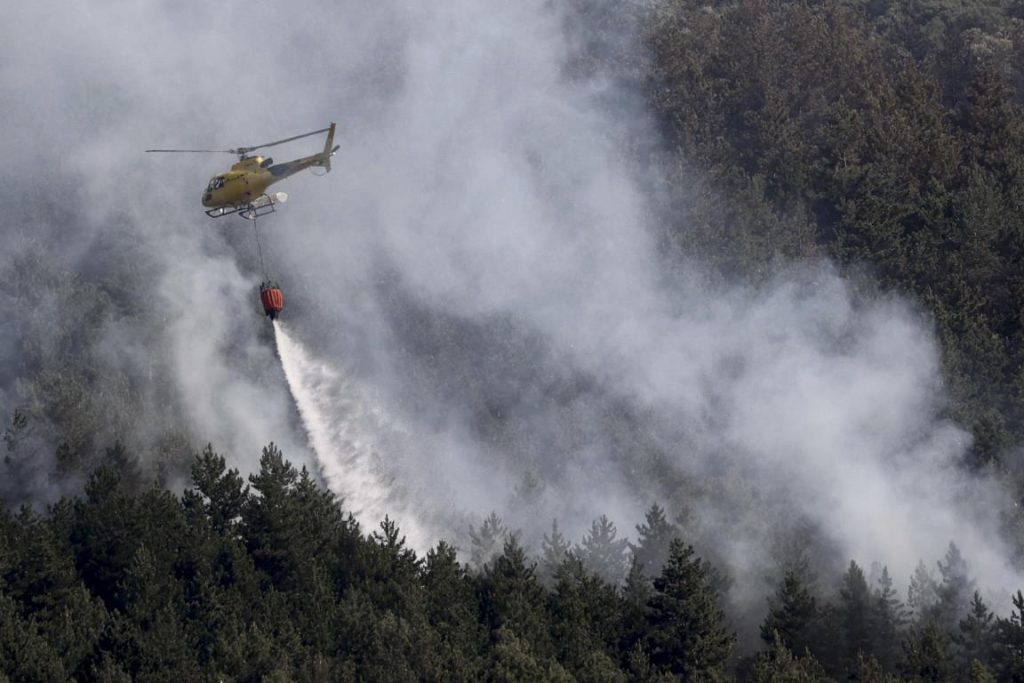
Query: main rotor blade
225,151
246,150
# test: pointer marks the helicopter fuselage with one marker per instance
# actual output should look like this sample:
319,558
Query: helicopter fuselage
249,178
243,189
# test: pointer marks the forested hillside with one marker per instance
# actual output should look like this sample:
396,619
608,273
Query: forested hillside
886,135
272,579
886,138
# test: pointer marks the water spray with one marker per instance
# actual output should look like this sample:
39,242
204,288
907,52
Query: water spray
345,434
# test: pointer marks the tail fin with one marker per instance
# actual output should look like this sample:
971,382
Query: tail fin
328,150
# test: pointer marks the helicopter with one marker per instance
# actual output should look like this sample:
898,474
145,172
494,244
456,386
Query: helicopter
243,189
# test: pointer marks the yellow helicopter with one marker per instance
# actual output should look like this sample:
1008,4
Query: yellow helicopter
243,189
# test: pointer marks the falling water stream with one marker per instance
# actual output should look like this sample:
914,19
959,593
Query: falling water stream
345,433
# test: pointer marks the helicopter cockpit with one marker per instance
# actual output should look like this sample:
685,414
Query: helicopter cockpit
215,184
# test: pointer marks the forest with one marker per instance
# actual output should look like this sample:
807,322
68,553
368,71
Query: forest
271,579
884,136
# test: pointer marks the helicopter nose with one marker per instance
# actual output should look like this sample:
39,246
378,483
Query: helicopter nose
206,198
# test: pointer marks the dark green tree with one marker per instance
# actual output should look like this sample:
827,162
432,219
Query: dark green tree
271,522
887,618
686,633
512,660
636,592
25,655
452,612
928,655
779,665
854,611
105,533
979,673
513,601
1008,644
975,633
584,613
954,590
393,574
870,671
219,492
792,613
159,646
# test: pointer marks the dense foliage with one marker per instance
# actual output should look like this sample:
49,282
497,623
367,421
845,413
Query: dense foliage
273,580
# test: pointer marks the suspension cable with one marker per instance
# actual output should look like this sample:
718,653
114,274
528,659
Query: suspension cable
259,250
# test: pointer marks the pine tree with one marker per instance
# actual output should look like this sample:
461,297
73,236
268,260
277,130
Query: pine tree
778,665
602,553
955,590
513,661
855,618
38,572
990,119
922,594
24,653
221,492
270,523
653,540
486,541
511,598
636,592
974,639
393,572
598,667
158,639
887,617
979,673
792,613
870,671
36,569
554,549
583,614
105,534
928,655
451,610
1008,644
639,666
686,632
637,588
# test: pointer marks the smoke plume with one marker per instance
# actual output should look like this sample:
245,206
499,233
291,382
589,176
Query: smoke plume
479,318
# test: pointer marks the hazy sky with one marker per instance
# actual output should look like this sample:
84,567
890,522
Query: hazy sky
479,269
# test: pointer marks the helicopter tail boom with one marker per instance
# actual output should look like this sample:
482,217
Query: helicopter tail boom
321,159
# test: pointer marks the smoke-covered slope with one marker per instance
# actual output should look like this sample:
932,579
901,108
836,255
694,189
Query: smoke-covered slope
483,264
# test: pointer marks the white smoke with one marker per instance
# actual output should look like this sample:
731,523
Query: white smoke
480,261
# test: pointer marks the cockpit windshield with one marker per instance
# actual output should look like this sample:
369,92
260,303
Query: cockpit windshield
215,183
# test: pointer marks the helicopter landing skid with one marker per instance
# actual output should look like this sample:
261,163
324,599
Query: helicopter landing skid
262,205
252,212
